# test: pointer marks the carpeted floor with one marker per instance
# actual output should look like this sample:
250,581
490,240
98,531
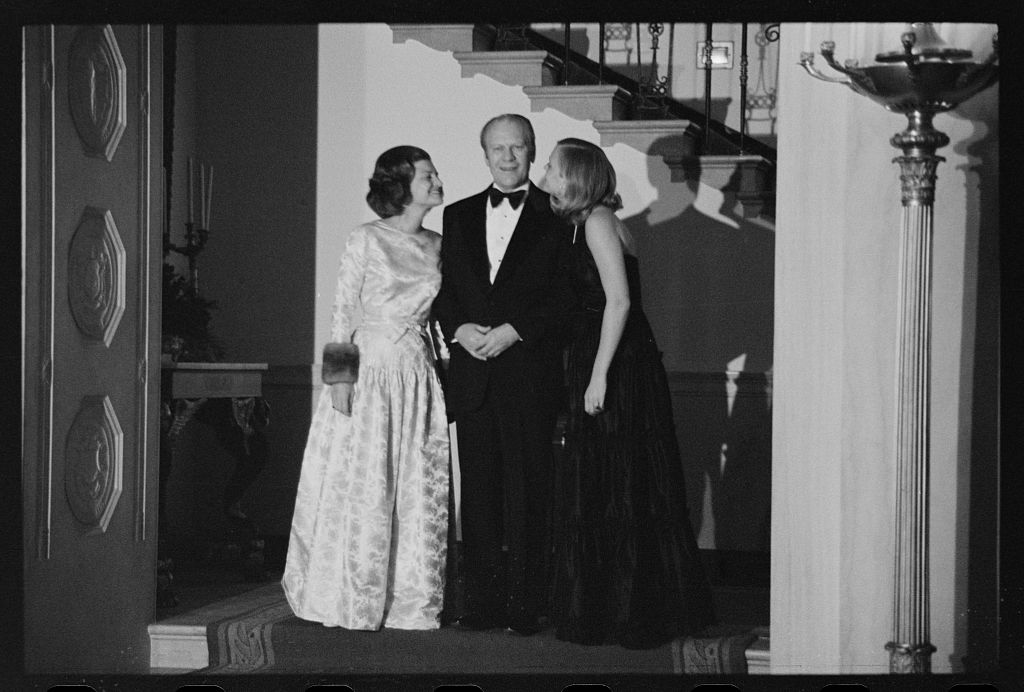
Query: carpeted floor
255,632
251,629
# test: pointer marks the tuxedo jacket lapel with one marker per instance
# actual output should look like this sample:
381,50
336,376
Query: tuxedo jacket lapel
526,233
475,229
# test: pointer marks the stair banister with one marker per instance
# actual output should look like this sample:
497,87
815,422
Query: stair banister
676,110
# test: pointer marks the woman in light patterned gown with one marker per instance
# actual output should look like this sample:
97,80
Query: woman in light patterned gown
368,540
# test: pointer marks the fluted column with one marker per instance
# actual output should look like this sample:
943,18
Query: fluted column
924,78
910,649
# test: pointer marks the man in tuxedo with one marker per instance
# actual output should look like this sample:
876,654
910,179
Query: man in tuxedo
504,295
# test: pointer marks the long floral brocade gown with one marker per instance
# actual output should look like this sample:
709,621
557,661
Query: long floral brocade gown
369,532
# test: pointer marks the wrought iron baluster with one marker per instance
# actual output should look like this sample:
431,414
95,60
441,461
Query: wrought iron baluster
652,90
761,97
707,85
511,37
600,53
743,87
568,58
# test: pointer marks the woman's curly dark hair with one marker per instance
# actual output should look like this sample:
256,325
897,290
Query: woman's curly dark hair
389,186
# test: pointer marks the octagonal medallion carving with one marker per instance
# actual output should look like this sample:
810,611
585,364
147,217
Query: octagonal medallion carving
96,90
94,462
96,275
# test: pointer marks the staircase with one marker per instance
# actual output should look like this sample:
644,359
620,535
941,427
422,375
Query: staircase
678,140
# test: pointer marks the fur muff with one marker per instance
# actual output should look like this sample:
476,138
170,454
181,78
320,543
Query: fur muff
341,363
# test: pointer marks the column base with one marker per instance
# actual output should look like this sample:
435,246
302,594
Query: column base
910,658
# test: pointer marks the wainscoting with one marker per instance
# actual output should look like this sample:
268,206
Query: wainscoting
724,427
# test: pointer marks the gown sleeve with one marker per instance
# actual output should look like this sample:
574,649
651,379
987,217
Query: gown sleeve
351,272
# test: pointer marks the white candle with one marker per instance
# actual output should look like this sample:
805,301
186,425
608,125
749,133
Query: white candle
202,195
209,198
188,192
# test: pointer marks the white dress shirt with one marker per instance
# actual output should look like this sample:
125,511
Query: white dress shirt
501,223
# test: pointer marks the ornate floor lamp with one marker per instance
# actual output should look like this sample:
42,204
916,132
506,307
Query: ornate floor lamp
925,78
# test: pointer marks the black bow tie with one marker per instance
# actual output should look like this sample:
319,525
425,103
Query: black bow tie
514,198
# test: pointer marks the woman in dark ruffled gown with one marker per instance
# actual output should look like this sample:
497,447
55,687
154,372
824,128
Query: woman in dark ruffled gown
627,569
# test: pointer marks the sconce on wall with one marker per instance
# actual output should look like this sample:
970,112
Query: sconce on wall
720,57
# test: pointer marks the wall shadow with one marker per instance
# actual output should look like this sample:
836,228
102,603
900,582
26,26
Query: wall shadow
708,289
976,645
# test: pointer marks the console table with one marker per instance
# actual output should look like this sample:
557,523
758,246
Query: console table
228,397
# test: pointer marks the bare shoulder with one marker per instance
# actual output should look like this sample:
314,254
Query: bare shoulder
601,226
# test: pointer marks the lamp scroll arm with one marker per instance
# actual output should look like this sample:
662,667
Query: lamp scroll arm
807,62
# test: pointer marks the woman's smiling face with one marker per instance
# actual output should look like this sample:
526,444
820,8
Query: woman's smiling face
425,187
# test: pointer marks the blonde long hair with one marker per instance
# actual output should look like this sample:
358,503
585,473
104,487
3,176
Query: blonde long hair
589,177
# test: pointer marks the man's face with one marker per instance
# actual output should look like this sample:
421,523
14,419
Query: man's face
507,154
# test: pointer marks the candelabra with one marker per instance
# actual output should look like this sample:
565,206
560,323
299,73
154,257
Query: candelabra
195,241
195,236
925,78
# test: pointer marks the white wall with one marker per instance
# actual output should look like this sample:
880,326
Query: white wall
838,226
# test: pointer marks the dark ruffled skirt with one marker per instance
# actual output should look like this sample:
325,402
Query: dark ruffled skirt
627,568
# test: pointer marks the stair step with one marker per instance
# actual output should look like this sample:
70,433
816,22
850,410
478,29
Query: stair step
653,137
759,653
512,67
719,170
448,37
582,102
178,647
679,142
749,177
179,643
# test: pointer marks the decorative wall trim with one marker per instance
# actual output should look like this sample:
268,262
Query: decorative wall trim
47,235
96,90
94,463
96,275
142,460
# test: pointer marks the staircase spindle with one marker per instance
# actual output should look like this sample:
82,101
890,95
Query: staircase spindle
743,88
568,58
652,90
707,86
